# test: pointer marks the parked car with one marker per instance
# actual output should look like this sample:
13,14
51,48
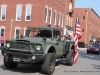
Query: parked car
93,49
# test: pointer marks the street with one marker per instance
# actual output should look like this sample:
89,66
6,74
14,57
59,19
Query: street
86,64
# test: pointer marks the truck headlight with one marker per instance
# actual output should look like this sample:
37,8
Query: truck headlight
8,45
38,47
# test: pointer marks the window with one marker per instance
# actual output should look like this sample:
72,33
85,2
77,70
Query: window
17,32
28,12
2,30
55,13
50,15
46,13
62,20
59,16
18,12
82,30
83,17
3,12
67,18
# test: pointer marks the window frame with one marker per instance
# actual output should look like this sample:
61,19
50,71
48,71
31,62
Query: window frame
2,27
19,28
82,30
46,15
83,18
4,5
50,15
24,30
59,18
55,17
26,12
17,10
62,18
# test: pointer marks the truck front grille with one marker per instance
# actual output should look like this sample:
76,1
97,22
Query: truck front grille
20,45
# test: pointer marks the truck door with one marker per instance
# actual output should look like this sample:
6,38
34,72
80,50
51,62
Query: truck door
59,45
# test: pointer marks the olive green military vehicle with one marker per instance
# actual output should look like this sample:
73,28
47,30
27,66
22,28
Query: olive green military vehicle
39,46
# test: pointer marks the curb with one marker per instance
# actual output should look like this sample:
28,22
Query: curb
0,52
82,49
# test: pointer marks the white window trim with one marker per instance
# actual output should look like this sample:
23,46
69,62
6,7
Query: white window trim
47,14
67,19
82,18
3,27
50,15
16,11
55,17
24,30
15,31
59,19
30,11
62,20
1,12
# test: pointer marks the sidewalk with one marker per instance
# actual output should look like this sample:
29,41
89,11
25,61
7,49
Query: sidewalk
82,49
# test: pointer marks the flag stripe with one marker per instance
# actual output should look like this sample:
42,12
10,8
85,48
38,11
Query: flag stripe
77,37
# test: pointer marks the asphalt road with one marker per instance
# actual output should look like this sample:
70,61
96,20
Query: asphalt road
87,64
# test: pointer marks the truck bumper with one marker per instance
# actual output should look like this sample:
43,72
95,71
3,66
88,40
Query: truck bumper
24,58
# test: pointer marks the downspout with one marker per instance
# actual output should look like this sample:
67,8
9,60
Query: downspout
86,25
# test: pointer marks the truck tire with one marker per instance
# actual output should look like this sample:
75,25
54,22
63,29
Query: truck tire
70,58
48,66
10,65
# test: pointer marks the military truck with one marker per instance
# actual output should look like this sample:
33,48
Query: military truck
39,46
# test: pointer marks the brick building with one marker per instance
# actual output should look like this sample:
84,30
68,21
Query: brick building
90,24
16,15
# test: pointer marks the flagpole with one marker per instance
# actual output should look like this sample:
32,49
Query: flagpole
77,37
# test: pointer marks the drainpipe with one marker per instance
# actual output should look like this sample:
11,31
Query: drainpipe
86,25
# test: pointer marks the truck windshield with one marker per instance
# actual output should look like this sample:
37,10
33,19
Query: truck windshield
38,33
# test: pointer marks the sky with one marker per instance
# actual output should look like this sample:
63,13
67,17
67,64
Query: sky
94,4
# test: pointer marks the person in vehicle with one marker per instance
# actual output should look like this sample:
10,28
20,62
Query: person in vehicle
68,36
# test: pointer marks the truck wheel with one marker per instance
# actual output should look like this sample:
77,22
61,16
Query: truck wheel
10,65
70,58
48,66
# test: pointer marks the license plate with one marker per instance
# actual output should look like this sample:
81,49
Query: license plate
16,59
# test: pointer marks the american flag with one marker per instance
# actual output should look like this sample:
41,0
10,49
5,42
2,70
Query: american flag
77,37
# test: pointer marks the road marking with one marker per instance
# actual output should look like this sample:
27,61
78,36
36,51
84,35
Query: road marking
57,66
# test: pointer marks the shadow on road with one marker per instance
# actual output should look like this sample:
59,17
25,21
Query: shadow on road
28,68
23,68
97,67
89,56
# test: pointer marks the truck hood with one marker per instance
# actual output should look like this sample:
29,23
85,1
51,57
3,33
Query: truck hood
34,40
